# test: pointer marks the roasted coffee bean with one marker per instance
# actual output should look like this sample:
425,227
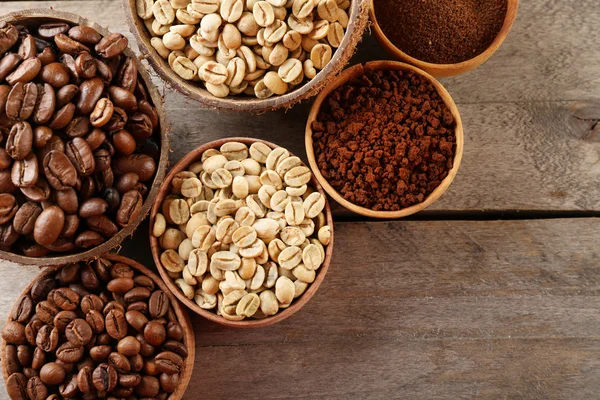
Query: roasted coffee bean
52,374
139,306
168,362
96,321
49,30
174,331
8,36
102,112
111,45
25,72
67,200
95,138
119,362
8,235
49,225
11,359
20,140
137,294
158,304
6,185
16,384
44,107
85,34
124,142
8,64
100,353
46,311
79,153
103,225
69,388
103,72
21,100
141,164
24,355
129,346
62,117
89,279
66,94
155,333
127,77
113,305
79,332
93,207
69,273
24,220
89,239
63,319
68,367
8,207
169,383
71,225
84,379
120,285
39,192
104,378
32,329
66,299
55,74
27,48
127,182
67,45
130,209
59,171
46,55
47,338
22,309
140,125
102,160
123,98
116,324
69,353
117,120
36,389
176,347
137,320
79,126
61,245
86,66
41,288
5,160
89,94
149,387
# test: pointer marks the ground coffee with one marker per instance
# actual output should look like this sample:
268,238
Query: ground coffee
385,140
441,32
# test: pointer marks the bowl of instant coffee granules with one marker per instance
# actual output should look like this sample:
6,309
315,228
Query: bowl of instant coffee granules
108,328
385,140
83,138
443,38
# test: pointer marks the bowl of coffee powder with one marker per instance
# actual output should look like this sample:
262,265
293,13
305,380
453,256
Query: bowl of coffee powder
443,38
385,140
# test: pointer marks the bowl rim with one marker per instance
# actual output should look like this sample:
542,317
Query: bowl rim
182,317
452,69
296,305
358,19
356,71
165,128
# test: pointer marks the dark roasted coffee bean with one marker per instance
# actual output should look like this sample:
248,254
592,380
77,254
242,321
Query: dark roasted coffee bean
67,200
103,72
102,267
104,378
116,324
45,105
146,108
25,172
22,309
69,388
39,192
141,164
86,66
112,197
137,294
4,92
96,321
49,225
79,126
47,338
149,387
119,362
69,274
21,100
95,138
20,140
55,74
127,182
46,311
67,45
79,332
111,45
88,188
41,136
66,94
46,55
139,306
93,207
120,270
25,72
63,319
61,245
89,279
62,117
102,160
52,374
117,120
59,171
89,239
49,30
158,304
8,36
11,359
155,333
25,217
85,34
8,64
176,347
128,75
66,299
16,384
70,227
122,98
120,285
140,125
69,353
103,225
79,153
6,185
102,112
169,383
8,207
90,92
130,208
5,160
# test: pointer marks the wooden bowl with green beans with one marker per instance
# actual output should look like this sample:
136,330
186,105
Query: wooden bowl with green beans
241,232
247,55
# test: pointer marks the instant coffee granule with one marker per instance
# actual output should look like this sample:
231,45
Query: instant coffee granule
441,32
385,140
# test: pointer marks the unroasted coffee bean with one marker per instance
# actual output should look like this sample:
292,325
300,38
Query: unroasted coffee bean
104,378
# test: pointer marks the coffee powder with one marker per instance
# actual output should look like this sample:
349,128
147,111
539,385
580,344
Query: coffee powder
441,32
385,140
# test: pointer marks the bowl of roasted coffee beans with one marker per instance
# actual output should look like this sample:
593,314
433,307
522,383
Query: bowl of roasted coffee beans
443,38
241,232
247,55
385,140
83,138
107,328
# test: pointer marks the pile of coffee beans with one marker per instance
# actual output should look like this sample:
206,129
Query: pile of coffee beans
93,331
259,48
243,231
79,138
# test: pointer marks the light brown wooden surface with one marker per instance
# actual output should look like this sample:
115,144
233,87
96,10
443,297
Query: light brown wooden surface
434,309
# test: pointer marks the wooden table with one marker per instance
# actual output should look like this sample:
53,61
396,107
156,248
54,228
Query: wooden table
492,293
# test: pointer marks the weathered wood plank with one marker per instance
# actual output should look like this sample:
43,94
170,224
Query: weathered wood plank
432,309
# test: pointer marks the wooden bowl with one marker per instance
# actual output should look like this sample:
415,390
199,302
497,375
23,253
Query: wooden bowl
445,70
36,17
182,317
357,22
355,72
297,304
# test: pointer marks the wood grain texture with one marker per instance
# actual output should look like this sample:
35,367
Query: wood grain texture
528,144
424,310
